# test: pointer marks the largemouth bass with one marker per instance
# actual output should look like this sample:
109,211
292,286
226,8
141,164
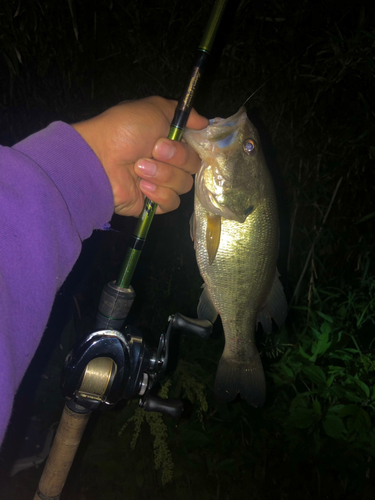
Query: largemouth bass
236,239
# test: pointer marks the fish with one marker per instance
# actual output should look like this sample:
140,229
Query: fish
235,229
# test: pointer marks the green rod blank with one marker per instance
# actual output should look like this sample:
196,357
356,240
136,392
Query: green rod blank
212,26
180,118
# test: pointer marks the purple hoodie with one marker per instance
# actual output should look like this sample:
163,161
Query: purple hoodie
53,193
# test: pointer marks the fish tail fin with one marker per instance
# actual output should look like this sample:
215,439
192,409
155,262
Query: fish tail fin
241,377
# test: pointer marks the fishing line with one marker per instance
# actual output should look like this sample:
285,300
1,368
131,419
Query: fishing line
279,71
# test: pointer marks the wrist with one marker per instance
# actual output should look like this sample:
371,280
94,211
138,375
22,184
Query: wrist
87,131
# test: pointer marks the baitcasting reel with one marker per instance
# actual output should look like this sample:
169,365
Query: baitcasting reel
108,366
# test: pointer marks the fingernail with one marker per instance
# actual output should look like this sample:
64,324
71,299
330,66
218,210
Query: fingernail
164,150
147,186
147,167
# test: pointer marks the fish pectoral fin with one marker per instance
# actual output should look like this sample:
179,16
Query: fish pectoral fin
206,308
213,233
276,306
192,225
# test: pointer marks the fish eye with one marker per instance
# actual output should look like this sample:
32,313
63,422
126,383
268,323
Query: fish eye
249,146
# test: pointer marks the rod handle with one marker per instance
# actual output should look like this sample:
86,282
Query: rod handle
67,439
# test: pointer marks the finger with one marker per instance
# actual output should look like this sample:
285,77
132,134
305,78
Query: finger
128,199
164,175
179,154
166,198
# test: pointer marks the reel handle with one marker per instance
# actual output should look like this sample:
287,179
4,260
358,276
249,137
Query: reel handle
170,407
200,327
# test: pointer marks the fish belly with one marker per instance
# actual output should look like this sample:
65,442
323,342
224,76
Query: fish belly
238,282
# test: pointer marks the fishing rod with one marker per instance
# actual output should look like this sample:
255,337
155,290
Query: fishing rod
180,118
107,365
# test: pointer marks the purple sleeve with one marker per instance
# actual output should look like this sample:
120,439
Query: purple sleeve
53,193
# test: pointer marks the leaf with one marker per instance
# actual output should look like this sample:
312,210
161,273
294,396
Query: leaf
321,346
325,328
303,353
362,386
335,369
335,409
334,427
352,396
337,391
368,363
359,421
301,418
315,332
278,380
365,218
325,316
349,410
317,407
315,374
341,354
285,370
341,311
299,401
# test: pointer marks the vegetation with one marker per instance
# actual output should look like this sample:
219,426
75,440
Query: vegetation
311,66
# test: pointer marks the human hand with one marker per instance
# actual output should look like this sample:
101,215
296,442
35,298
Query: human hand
126,137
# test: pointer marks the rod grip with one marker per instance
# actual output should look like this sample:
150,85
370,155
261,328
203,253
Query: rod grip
67,439
114,306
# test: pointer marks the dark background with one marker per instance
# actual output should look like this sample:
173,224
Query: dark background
311,66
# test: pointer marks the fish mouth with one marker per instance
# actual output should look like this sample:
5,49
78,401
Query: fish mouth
231,121
223,132
220,135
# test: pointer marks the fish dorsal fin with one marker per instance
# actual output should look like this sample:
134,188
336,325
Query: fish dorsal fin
276,306
206,308
213,232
